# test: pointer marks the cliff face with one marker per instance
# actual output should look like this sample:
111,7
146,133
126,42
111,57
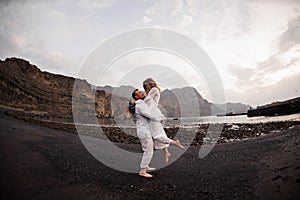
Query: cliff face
122,91
27,88
233,107
184,102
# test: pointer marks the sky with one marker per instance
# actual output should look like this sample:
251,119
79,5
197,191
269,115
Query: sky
254,45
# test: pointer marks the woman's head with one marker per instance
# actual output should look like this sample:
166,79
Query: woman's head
148,84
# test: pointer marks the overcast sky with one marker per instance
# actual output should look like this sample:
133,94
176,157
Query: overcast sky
255,45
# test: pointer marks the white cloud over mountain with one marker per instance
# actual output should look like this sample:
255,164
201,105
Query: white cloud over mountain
255,45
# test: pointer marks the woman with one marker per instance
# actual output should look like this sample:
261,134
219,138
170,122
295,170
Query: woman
161,140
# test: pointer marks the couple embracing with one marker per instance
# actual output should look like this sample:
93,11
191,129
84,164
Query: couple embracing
149,124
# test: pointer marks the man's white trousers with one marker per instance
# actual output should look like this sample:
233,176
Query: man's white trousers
147,146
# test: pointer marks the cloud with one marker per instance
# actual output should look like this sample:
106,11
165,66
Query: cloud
253,43
284,89
274,72
146,19
288,46
267,78
46,35
288,43
243,75
287,88
172,13
95,4
291,36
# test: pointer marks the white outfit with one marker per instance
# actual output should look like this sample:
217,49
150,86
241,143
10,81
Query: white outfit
158,133
143,116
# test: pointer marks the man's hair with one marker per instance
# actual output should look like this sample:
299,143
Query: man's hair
133,94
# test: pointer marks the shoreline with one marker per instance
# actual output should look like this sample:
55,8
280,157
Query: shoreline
227,132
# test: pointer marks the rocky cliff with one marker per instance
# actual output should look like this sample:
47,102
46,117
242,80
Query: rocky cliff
184,102
27,89
179,102
233,107
24,87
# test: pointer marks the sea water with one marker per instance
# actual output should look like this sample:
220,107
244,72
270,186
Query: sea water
195,121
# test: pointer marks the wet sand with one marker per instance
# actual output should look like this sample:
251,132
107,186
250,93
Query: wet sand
42,163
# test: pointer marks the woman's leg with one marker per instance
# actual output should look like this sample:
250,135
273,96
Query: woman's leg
159,135
163,138
167,155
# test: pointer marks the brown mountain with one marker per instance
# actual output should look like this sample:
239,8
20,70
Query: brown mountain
184,102
30,91
233,107
122,91
26,88
175,102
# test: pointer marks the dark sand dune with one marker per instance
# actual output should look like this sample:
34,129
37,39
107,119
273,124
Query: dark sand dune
41,163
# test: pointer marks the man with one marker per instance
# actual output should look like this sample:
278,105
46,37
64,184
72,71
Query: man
143,117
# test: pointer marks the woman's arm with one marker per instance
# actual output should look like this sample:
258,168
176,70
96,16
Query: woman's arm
143,109
154,95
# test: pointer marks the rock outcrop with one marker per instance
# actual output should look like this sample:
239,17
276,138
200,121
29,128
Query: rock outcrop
27,89
184,102
24,87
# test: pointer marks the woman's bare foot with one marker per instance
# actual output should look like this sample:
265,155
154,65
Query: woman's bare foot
167,156
177,142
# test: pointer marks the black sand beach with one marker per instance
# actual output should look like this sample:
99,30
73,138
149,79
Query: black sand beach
42,163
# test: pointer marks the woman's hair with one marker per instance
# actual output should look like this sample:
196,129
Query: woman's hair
151,83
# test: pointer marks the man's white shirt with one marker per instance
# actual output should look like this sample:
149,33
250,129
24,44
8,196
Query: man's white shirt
143,116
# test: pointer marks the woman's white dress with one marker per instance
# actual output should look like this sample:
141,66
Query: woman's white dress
158,133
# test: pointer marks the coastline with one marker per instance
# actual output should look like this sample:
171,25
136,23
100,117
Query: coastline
227,132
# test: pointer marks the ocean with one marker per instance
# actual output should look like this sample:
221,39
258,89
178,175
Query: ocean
195,121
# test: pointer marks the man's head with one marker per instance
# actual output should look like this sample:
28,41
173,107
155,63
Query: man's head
137,94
